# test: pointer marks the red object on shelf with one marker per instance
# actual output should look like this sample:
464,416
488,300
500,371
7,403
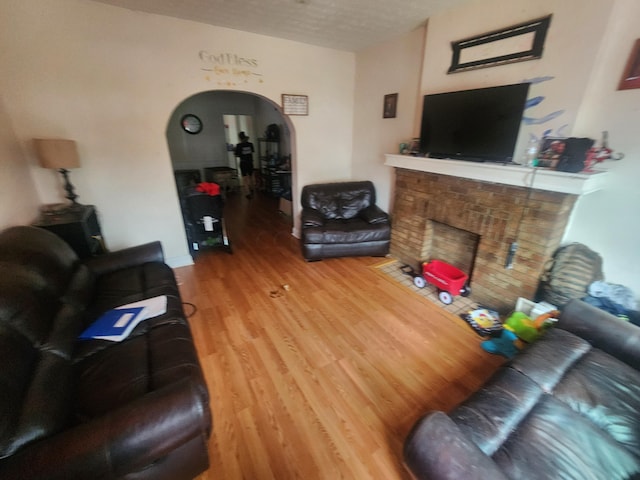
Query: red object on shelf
209,188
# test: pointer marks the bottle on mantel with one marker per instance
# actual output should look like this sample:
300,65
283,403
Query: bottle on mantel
531,153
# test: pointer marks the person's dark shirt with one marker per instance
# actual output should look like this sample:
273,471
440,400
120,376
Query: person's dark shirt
244,150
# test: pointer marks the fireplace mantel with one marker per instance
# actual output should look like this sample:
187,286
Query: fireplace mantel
517,175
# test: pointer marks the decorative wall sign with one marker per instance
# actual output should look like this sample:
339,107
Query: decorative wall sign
631,75
390,105
230,69
295,104
518,43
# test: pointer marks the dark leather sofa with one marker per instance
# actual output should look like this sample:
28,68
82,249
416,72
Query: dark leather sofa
342,220
94,409
568,406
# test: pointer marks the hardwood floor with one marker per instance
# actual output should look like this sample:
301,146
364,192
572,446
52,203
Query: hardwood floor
316,370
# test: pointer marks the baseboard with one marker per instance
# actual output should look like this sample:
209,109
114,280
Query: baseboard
182,261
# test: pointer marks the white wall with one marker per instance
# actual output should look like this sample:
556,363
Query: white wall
392,67
18,196
575,33
608,221
110,78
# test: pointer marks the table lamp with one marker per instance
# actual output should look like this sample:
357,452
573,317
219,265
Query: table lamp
61,155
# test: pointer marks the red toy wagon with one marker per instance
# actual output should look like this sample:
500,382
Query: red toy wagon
448,279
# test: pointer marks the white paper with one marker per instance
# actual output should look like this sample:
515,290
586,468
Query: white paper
154,306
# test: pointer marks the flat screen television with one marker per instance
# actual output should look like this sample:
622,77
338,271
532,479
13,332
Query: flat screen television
479,125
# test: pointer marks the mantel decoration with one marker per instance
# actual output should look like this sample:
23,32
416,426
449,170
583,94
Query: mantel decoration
631,75
390,105
517,43
295,104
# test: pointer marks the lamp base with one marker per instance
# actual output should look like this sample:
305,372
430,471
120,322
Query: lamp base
68,187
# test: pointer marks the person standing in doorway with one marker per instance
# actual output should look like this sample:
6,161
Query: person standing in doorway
244,151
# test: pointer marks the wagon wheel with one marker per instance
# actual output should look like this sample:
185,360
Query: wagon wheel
419,282
445,297
466,290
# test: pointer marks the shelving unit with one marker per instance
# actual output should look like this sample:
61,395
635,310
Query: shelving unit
269,158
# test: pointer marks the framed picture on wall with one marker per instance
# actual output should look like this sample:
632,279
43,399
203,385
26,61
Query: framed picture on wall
390,105
631,75
516,43
295,104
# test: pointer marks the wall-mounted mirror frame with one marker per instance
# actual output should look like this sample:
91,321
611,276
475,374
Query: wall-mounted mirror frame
517,43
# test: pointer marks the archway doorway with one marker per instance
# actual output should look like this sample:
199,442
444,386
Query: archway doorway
201,135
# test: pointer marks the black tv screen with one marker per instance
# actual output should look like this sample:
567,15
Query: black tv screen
479,125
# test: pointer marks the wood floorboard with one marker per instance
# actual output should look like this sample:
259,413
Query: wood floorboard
316,370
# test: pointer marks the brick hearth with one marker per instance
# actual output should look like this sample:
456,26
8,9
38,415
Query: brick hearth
496,213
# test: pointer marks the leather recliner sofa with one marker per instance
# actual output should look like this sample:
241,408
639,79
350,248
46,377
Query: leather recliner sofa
86,409
567,406
342,219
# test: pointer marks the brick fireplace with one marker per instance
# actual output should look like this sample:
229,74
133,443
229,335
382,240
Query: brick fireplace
471,223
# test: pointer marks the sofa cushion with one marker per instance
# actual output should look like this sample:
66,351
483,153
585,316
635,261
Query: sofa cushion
353,202
336,201
355,230
38,326
327,203
554,441
136,283
40,256
492,413
374,214
158,352
152,359
547,362
35,386
606,392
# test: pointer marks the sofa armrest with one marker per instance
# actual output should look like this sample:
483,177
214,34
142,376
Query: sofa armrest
311,218
125,258
437,449
374,214
617,337
123,441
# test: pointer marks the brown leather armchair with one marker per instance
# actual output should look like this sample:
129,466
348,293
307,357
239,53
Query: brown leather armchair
343,220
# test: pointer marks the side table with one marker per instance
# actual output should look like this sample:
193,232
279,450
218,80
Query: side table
78,226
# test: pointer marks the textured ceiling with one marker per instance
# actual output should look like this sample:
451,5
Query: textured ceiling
340,24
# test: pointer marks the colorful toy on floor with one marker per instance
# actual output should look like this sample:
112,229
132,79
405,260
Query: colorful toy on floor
527,329
518,328
485,322
506,345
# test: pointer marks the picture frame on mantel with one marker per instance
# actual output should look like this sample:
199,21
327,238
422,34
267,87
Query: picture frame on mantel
517,43
390,105
631,75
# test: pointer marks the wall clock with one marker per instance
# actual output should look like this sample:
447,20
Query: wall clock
191,124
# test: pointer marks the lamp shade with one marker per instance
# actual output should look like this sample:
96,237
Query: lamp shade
57,153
